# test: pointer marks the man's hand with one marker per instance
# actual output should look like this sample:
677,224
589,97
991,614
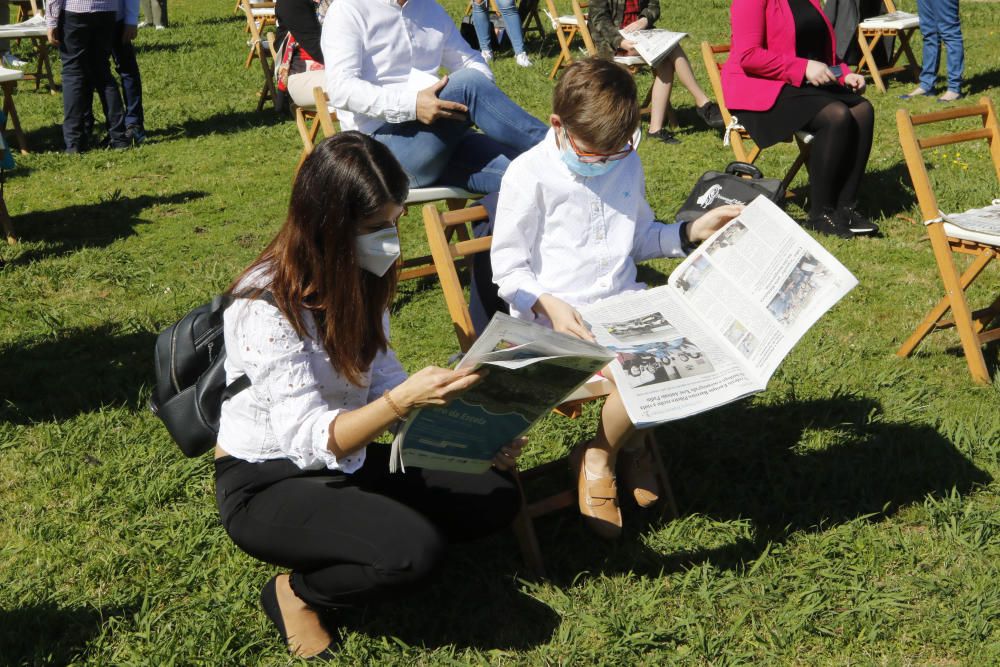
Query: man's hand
707,224
564,317
129,33
855,82
640,24
430,108
54,36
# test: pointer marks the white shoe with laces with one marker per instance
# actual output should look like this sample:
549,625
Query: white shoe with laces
522,59
487,56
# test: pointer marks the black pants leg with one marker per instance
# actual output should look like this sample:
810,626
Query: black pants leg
85,51
350,539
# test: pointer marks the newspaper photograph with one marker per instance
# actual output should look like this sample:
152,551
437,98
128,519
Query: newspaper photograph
530,370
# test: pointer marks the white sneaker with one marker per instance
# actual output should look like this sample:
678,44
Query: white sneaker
522,59
161,27
10,60
487,56
142,24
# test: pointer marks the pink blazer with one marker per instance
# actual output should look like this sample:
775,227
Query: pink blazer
762,57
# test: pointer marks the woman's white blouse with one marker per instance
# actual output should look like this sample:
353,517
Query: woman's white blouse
295,393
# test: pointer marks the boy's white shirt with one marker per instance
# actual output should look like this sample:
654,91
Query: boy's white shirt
379,55
574,237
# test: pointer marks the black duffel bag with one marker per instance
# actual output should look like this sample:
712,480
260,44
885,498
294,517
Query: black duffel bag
740,183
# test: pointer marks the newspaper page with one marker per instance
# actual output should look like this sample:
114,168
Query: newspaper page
669,365
653,44
984,220
530,370
761,282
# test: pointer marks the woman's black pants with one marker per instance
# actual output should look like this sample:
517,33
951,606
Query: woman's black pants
349,539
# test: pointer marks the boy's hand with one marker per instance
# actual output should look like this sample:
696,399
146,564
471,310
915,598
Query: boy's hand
564,317
707,224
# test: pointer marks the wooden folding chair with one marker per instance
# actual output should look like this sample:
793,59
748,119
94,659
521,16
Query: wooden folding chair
446,248
307,123
566,27
974,327
453,198
734,134
874,29
8,83
261,48
25,9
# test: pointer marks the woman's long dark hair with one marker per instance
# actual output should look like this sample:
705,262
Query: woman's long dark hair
312,262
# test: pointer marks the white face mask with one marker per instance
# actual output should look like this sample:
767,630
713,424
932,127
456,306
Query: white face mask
378,251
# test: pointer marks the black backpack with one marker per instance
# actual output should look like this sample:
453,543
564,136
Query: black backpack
191,378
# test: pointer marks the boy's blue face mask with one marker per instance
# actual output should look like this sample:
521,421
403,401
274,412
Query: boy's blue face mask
581,168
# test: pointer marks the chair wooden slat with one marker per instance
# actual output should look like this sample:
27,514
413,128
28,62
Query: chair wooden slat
954,138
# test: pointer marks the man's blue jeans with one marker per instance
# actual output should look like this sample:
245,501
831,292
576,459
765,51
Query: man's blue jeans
939,23
511,22
451,153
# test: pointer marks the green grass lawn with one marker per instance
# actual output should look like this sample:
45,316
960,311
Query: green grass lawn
848,515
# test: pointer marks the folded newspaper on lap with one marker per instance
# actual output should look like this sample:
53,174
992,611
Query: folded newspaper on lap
726,318
653,44
531,369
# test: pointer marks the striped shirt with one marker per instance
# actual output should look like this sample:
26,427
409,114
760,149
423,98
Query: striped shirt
124,9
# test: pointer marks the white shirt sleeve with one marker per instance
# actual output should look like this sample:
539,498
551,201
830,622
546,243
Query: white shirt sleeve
457,54
343,44
387,372
516,229
653,238
282,380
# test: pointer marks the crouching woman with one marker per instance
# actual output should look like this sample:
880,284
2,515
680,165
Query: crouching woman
298,483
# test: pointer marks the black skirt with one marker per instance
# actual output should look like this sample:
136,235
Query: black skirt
795,107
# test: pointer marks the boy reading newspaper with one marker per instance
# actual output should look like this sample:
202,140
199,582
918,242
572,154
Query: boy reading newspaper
571,223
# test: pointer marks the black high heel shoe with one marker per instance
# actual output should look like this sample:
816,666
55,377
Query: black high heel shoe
269,603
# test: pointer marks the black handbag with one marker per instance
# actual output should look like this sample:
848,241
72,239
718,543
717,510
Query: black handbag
191,379
740,183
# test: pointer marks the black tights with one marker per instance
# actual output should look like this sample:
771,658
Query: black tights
352,538
838,154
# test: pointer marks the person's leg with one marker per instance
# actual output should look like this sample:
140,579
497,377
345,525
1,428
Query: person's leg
301,85
863,116
833,130
97,59
478,163
75,89
128,71
492,111
160,13
660,97
146,9
927,11
512,22
481,22
682,68
424,151
950,30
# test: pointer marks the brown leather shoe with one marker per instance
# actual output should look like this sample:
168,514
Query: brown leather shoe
636,468
598,499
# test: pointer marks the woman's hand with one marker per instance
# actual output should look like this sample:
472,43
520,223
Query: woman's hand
819,74
640,24
710,221
628,46
564,317
855,82
506,458
433,386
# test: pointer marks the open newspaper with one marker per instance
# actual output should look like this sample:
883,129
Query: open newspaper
653,44
531,369
892,20
725,319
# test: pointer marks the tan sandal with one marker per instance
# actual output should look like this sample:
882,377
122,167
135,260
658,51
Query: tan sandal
636,469
597,498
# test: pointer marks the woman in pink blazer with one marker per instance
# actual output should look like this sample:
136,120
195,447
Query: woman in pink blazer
782,76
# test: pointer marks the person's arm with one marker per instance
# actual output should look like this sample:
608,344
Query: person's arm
602,26
299,18
651,12
749,45
343,46
652,237
53,10
517,226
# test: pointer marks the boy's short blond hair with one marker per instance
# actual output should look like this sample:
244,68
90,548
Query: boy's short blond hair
597,101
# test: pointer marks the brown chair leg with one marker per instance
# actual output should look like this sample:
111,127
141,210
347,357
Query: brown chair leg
527,539
5,222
